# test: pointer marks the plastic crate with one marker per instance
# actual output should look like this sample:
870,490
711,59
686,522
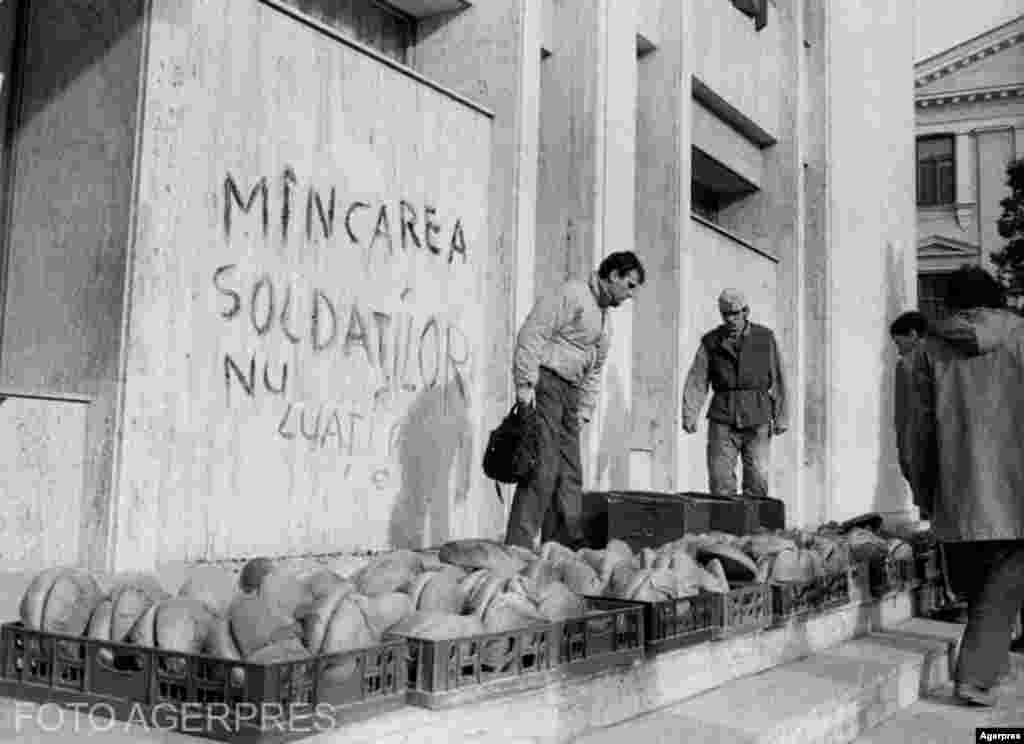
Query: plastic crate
736,516
771,513
594,518
202,695
796,599
836,590
892,575
610,634
452,671
743,609
675,623
646,519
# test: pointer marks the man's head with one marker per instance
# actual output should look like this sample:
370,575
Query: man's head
907,331
971,286
621,273
734,309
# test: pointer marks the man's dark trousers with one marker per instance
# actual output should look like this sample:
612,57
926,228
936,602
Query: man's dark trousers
991,574
752,444
551,501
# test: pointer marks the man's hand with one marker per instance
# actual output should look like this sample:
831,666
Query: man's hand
690,427
526,395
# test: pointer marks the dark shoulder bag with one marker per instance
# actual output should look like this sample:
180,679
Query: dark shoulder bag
511,453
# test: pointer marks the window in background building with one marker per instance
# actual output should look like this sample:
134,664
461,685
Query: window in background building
713,186
936,180
932,290
374,24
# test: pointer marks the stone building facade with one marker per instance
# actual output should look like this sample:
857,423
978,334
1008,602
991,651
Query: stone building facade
969,101
264,261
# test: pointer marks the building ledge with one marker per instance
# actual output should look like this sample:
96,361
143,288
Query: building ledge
428,8
733,237
1000,93
308,20
731,115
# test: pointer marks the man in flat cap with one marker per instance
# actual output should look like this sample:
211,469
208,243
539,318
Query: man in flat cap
740,361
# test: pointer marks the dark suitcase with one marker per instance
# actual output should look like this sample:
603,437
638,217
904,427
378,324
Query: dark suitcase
771,513
726,514
648,519
595,519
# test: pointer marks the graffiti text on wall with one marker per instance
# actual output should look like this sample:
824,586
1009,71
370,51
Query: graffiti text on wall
405,352
371,227
376,351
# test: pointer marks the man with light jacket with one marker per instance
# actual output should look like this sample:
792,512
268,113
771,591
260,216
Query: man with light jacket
740,361
560,352
971,416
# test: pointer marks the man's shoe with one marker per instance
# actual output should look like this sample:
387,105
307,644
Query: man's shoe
974,695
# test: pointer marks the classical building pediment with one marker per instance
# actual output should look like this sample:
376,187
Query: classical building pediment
942,253
985,68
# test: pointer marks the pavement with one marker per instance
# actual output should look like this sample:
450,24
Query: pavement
939,718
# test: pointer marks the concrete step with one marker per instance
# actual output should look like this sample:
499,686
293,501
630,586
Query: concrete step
938,718
831,696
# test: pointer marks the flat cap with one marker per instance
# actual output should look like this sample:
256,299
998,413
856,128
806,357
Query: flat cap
731,300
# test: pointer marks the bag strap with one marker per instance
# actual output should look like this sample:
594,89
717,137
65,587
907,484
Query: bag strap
497,490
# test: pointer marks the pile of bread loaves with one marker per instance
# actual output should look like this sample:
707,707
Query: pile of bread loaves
271,613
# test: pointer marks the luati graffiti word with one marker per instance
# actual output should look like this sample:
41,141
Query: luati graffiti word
350,432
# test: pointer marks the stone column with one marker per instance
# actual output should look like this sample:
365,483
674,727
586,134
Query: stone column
584,200
871,229
664,111
814,369
491,53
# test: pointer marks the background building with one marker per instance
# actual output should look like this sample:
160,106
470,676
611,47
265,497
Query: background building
969,101
264,261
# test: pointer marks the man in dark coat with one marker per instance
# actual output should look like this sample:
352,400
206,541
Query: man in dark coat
740,361
913,383
971,416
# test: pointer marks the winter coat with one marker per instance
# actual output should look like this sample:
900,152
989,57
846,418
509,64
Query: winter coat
916,442
568,333
747,379
974,425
